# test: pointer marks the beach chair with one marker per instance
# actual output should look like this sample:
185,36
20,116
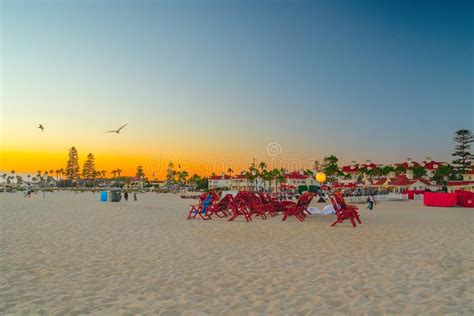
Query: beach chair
299,209
239,207
340,200
272,205
205,201
344,211
222,208
253,203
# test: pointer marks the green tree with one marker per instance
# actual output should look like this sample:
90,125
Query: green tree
182,176
330,167
418,171
88,171
400,169
202,183
387,170
140,174
170,173
443,174
463,140
72,166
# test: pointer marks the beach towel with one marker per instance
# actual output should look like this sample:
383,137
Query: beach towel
329,209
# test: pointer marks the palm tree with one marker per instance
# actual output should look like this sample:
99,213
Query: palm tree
19,180
119,171
230,171
28,176
114,172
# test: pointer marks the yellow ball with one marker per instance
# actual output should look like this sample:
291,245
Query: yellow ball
321,177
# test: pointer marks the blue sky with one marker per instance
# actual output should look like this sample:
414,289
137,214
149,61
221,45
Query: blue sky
378,80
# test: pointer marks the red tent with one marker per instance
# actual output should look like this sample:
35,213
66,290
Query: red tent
465,198
440,199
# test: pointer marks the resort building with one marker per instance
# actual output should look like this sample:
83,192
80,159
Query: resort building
402,183
431,166
220,182
467,183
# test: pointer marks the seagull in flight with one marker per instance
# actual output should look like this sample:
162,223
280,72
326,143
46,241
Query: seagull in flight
41,127
118,130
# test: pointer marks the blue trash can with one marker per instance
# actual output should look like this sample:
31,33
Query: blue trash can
103,196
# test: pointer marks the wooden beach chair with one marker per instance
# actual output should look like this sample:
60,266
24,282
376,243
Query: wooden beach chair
205,201
222,208
299,209
344,211
272,206
239,207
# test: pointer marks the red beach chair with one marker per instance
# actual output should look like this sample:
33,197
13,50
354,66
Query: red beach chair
344,211
239,207
273,206
298,209
221,208
206,200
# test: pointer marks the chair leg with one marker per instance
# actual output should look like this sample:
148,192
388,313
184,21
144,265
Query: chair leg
353,222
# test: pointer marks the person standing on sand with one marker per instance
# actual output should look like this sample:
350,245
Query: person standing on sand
371,201
125,195
28,191
135,196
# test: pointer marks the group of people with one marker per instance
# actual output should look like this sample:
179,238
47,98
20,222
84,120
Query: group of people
125,196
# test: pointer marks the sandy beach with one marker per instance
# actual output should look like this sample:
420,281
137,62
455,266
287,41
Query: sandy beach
71,254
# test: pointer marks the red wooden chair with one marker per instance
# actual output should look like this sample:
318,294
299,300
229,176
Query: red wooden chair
206,200
344,211
340,200
222,208
298,209
272,205
250,202
239,207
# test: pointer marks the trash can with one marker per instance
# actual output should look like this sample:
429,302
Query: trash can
115,195
103,196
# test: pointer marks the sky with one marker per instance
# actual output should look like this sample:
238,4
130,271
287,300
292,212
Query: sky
214,84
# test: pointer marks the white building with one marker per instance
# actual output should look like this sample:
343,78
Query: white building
220,182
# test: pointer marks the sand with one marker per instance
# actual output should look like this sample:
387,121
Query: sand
71,254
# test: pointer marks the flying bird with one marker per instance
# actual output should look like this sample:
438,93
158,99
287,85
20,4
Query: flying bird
41,127
117,131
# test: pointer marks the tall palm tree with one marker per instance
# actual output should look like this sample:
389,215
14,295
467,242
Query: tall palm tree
119,171
230,171
114,172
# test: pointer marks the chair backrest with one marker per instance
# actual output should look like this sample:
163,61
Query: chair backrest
212,194
340,200
336,205
305,199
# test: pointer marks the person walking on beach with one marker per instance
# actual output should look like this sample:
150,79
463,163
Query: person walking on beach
371,201
135,196
125,195
28,191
